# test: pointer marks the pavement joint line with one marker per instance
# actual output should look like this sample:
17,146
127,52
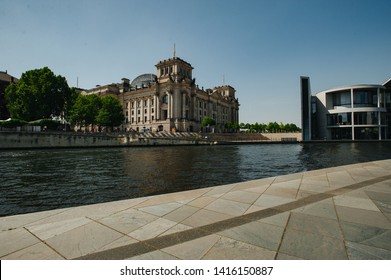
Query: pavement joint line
282,237
161,242
44,242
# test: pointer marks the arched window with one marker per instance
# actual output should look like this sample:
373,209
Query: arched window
165,99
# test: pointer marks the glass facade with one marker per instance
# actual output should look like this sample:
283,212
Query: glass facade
366,133
361,118
339,119
359,112
341,133
342,99
365,97
356,123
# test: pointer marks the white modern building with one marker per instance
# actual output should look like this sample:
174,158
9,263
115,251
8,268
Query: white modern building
357,112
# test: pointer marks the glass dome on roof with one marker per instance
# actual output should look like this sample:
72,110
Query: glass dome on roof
143,80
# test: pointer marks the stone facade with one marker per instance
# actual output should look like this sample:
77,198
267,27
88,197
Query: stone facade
171,100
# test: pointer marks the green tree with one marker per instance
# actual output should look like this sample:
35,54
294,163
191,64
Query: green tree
111,113
38,94
85,110
273,127
282,127
291,127
208,121
75,93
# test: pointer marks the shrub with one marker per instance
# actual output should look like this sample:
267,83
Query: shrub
13,123
49,124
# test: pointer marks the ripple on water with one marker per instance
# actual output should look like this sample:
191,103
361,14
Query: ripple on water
39,180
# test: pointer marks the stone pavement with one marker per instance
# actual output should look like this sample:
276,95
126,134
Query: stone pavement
336,213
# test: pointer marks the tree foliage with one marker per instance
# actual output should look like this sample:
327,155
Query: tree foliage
85,110
111,113
271,127
232,127
94,110
38,94
208,121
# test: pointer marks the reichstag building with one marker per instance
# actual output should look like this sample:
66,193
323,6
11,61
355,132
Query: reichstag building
171,100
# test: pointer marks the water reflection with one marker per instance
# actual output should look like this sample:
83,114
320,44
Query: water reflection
47,179
323,155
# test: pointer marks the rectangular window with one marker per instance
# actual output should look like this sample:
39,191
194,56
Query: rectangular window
342,99
339,119
365,97
388,99
366,118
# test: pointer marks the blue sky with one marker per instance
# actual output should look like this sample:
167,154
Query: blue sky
260,47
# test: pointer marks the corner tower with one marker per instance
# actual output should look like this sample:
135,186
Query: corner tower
174,68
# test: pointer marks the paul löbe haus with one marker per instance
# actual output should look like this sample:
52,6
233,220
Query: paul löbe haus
355,112
171,100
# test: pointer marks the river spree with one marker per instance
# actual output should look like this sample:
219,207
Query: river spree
37,180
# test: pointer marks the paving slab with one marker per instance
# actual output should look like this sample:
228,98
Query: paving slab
231,249
312,246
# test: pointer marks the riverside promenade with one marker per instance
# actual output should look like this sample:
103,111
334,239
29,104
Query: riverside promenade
335,213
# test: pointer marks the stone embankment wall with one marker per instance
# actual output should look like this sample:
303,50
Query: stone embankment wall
16,140
285,137
26,140
254,137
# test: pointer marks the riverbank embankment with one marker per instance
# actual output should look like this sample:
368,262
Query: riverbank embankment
30,140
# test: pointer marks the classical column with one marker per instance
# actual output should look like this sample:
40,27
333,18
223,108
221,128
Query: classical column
171,106
193,112
142,111
136,111
157,108
183,105
129,112
148,109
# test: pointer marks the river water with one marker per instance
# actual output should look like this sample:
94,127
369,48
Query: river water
37,180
